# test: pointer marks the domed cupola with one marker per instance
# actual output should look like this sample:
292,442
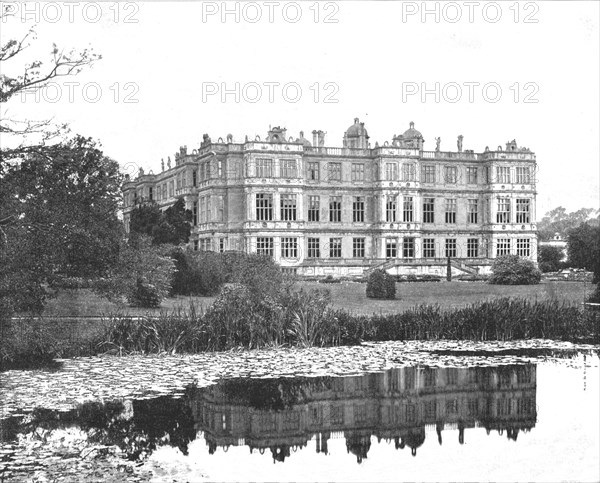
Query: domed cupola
356,136
411,138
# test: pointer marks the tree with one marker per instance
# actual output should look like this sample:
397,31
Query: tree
549,258
583,248
381,285
142,274
61,202
559,221
514,270
173,226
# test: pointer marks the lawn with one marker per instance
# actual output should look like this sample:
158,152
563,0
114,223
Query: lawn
348,296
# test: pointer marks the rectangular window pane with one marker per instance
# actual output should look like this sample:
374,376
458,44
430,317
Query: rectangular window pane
408,248
391,250
264,168
428,174
314,205
289,248
502,174
390,209
523,247
314,249
358,209
313,171
451,247
264,246
428,248
358,171
335,208
288,168
391,171
471,175
407,209
523,211
264,206
288,207
335,248
358,247
472,210
334,171
428,210
408,172
523,175
503,214
450,174
472,248
450,210
503,247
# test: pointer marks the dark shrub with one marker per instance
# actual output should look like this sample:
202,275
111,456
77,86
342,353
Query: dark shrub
197,273
329,279
514,270
144,295
381,285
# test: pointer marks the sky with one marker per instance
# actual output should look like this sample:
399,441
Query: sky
170,72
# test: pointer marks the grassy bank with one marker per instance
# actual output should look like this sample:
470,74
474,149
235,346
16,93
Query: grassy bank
306,320
348,296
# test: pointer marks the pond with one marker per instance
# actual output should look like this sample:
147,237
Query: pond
421,411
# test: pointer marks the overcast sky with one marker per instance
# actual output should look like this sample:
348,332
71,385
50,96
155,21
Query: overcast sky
500,71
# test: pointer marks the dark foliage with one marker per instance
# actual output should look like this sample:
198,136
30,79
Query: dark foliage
583,248
173,226
381,285
514,270
549,259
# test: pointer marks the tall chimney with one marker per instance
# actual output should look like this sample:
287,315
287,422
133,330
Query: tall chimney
315,139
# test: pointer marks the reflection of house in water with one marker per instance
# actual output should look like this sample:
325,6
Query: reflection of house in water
282,415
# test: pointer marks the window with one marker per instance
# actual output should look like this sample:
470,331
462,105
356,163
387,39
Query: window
208,211
407,209
358,209
313,171
450,210
391,171
358,247
334,171
428,248
503,247
523,211
472,210
171,188
208,173
194,178
203,209
178,181
220,208
314,248
472,247
390,209
164,191
288,207
503,174
471,175
358,171
503,215
428,210
335,208
289,248
222,245
428,174
202,172
150,193
391,250
314,206
264,168
335,248
450,174
288,168
450,247
195,213
158,193
264,246
523,247
408,248
408,172
196,245
220,168
523,175
264,206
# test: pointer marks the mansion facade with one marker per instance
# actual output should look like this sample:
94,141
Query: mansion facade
344,210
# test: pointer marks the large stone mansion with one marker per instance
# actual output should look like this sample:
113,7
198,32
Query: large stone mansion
322,210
